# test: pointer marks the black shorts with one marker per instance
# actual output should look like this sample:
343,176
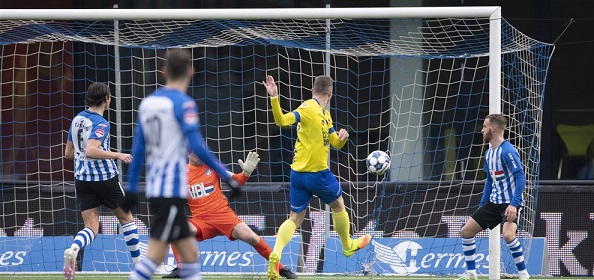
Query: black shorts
168,219
491,215
92,194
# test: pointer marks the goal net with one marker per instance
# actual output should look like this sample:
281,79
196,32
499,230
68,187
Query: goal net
416,87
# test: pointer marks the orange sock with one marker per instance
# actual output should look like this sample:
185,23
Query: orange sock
264,250
176,255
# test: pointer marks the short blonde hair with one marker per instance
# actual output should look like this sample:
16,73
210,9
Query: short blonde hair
322,85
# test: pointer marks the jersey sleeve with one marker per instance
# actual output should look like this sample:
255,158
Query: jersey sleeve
187,114
334,140
512,162
70,133
100,130
138,149
281,119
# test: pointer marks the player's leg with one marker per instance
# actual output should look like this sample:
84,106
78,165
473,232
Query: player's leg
515,247
486,216
467,233
342,225
197,233
130,233
112,195
168,225
330,192
244,233
89,206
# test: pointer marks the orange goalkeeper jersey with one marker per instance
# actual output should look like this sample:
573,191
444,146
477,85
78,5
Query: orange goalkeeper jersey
205,194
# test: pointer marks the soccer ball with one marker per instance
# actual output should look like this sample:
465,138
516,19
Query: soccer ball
378,162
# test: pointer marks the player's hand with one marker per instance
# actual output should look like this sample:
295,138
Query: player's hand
129,201
127,158
342,134
270,85
511,213
251,161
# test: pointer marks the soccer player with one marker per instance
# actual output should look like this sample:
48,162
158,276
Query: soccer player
502,197
167,125
309,171
211,213
96,175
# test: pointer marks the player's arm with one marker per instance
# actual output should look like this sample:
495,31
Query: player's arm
280,119
138,149
338,139
488,186
94,151
200,149
69,151
512,160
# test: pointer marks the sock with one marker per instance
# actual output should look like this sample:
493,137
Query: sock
284,235
176,255
82,239
190,271
264,250
469,248
516,250
143,270
342,226
131,237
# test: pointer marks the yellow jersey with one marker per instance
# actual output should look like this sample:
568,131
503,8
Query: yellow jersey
315,134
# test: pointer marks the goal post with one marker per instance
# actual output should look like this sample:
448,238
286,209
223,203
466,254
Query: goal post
414,81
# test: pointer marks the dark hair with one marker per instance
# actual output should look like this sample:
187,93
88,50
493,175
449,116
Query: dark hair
177,62
97,93
498,120
322,84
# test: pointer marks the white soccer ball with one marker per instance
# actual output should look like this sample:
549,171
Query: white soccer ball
378,162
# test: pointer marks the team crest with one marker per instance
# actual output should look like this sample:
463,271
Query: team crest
208,172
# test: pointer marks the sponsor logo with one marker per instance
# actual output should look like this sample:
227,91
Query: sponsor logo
397,257
512,160
190,117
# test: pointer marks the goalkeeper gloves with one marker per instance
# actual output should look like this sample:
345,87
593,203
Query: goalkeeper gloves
129,201
250,163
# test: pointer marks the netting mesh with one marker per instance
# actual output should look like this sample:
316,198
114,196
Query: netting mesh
415,88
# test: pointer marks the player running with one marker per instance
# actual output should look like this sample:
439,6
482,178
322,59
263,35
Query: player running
167,125
211,213
96,176
309,171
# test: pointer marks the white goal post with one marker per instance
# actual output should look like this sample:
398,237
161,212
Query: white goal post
493,13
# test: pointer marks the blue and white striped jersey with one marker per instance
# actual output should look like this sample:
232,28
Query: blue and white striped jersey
167,126
505,175
90,125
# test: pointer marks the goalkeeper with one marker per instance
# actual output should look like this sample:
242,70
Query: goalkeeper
211,213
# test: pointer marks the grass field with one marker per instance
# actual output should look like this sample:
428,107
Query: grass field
247,277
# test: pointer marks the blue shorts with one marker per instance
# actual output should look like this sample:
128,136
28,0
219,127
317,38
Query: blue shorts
305,184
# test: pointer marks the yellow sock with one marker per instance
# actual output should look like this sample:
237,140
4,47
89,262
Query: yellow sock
284,235
342,226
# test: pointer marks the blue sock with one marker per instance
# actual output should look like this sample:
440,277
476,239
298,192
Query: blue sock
469,248
131,237
516,250
82,239
144,270
190,270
